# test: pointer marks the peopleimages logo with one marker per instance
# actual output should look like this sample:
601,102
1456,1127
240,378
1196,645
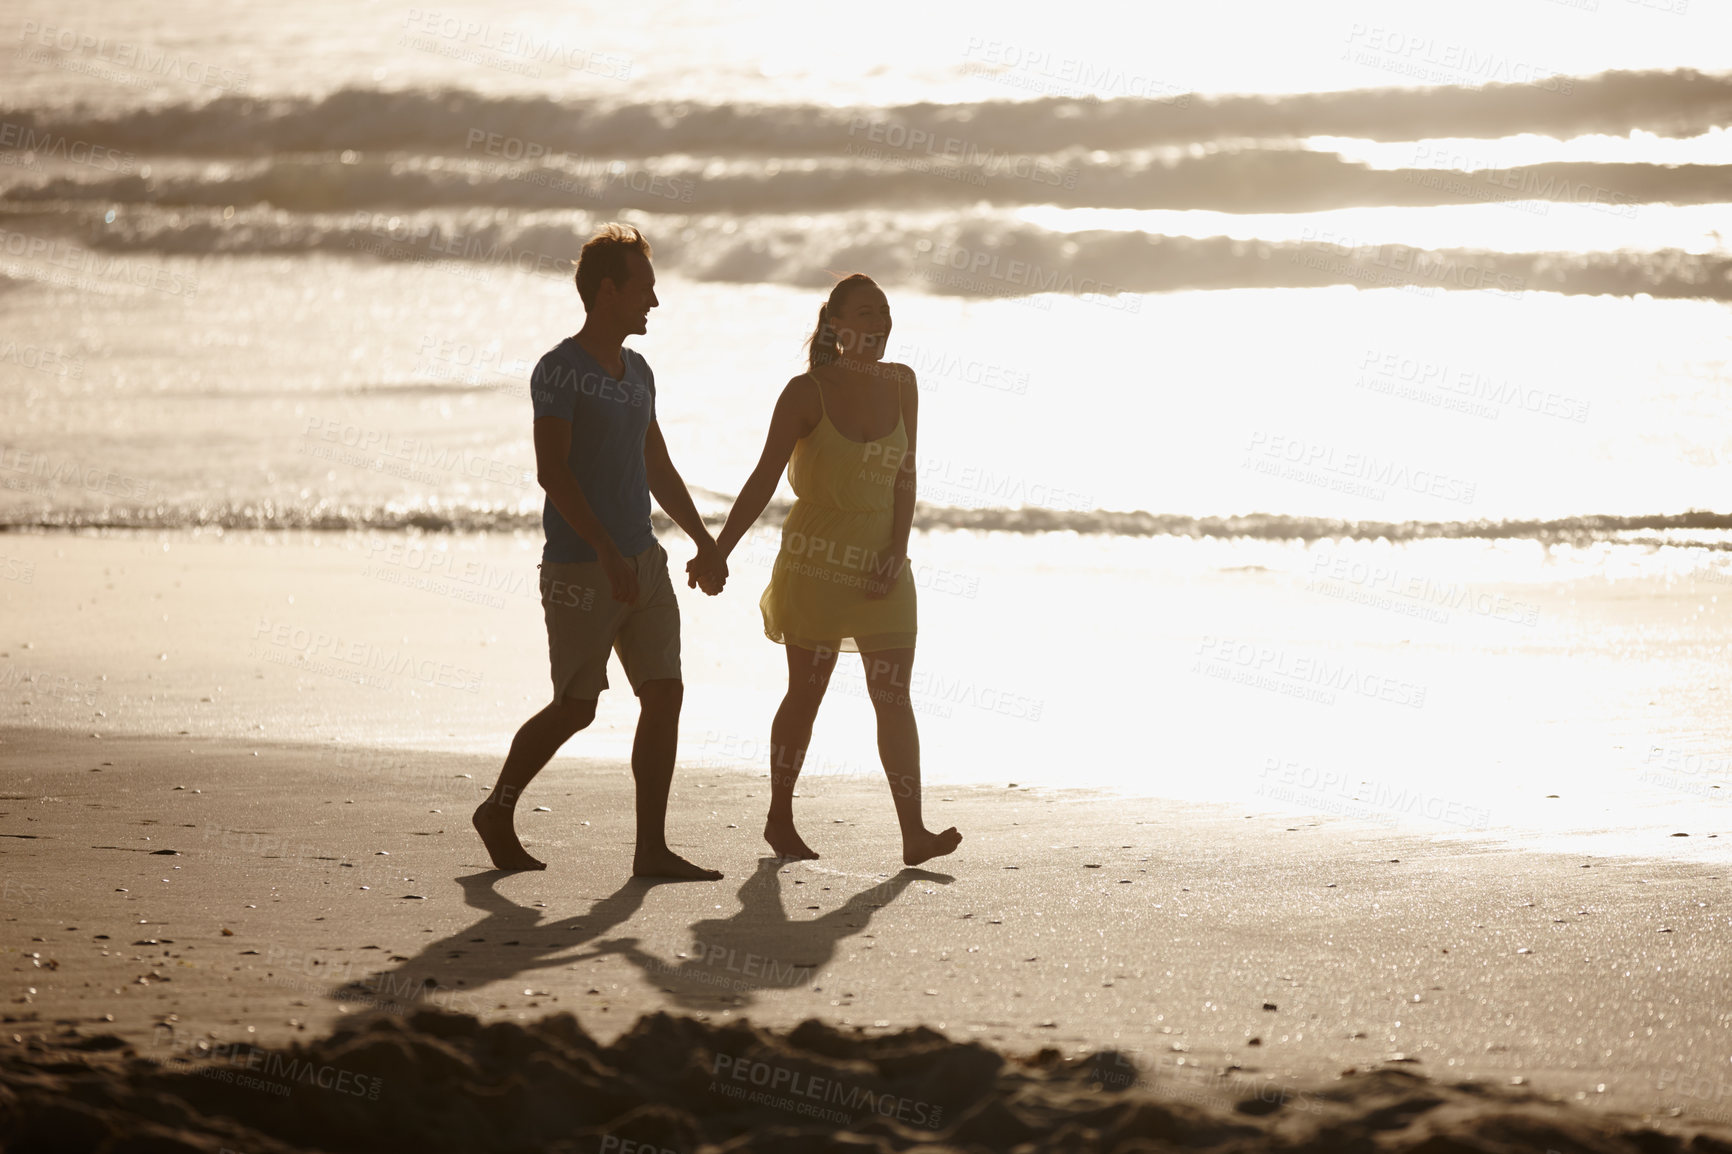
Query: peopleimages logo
1426,57
235,1062
40,146
416,460
984,267
954,150
580,175
358,661
737,966
1311,678
1333,791
806,1092
42,360
1357,473
97,51
426,239
1385,585
507,48
1465,389
72,266
1039,69
42,472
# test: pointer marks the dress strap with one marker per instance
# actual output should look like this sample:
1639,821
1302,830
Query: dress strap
822,409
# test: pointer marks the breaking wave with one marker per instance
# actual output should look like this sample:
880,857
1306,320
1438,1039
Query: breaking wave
978,254
1702,527
1236,177
1675,103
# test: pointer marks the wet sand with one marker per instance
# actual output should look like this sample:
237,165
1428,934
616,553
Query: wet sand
1599,729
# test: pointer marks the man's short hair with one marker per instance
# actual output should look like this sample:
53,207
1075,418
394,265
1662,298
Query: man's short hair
604,258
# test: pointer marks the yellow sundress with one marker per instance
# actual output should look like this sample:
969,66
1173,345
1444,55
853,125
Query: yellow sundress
837,532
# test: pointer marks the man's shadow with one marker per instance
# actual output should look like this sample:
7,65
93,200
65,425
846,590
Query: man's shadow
510,940
761,948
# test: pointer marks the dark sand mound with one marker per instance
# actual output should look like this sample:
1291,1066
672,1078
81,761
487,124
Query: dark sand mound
438,1082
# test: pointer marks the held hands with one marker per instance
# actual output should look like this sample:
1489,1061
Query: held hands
708,570
878,586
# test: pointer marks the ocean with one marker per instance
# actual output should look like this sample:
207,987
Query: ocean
1389,337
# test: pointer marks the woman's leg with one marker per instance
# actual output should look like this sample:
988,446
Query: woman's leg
790,733
888,676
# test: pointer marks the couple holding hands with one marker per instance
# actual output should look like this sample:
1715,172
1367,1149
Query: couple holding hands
840,581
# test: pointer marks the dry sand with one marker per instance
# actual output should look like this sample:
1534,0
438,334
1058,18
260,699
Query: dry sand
177,892
445,1082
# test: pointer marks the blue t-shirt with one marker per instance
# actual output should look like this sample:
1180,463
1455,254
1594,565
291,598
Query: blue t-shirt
608,419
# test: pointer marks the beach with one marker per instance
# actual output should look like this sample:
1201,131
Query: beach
1320,550
259,874
192,895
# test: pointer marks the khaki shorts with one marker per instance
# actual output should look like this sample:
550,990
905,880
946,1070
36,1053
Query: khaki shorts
584,622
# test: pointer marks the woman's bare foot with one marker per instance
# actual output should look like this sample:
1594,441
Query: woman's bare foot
786,841
665,863
925,845
493,823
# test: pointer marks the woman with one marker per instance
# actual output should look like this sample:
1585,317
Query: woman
845,432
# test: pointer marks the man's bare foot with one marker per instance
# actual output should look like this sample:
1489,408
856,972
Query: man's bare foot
925,845
493,823
665,863
786,841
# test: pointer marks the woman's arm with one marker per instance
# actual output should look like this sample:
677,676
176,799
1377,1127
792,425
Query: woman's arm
796,415
902,514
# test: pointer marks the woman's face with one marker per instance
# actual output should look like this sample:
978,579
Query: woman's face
863,324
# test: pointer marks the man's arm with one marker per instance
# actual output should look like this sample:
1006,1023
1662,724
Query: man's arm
669,488
709,568
552,451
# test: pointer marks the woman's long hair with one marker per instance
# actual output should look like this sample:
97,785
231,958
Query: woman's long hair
825,345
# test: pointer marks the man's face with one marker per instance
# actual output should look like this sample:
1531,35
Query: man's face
634,299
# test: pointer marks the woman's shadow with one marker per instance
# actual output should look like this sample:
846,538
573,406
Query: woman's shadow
761,948
510,940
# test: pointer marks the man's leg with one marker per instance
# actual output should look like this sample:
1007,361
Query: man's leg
533,747
652,768
581,623
649,647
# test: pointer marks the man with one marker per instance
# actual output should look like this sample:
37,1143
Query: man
599,454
